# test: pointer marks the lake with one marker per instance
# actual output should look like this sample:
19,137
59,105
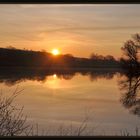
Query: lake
58,102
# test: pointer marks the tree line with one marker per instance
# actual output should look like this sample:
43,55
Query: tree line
11,56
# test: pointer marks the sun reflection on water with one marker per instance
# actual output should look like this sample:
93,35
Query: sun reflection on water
54,76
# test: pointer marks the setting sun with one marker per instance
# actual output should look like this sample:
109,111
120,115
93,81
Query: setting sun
55,52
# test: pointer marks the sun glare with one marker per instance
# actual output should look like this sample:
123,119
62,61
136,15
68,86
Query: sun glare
54,76
55,52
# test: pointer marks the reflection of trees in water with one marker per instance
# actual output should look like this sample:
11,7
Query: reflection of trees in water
12,79
130,84
68,76
98,75
17,75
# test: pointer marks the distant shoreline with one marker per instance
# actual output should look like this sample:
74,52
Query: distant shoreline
63,68
43,60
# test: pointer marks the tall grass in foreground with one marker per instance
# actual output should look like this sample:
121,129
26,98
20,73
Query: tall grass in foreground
14,123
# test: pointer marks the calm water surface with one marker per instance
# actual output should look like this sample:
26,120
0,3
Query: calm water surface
66,100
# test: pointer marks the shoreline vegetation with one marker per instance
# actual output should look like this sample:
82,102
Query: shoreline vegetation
62,69
12,57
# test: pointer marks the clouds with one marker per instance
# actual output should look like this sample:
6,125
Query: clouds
92,29
82,24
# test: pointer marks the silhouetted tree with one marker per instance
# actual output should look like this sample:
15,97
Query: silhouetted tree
12,122
131,50
105,61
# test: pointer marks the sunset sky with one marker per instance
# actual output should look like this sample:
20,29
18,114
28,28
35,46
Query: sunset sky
75,29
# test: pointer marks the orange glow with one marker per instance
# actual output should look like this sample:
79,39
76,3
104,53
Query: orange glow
55,52
54,76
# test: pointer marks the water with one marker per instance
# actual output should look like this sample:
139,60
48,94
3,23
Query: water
61,100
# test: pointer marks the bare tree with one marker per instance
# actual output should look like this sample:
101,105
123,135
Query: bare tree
12,121
131,49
